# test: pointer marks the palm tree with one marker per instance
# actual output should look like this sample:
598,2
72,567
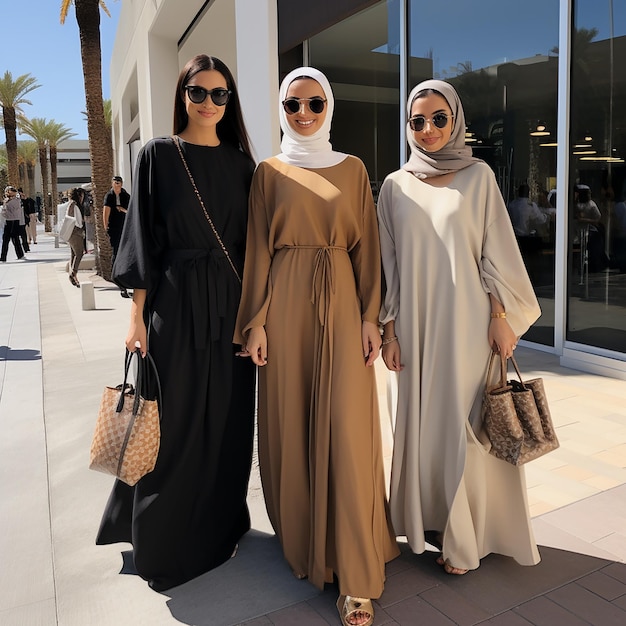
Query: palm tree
12,98
108,118
57,134
108,113
27,151
39,129
88,18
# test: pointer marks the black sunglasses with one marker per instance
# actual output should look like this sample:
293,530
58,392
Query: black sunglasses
293,105
418,122
198,95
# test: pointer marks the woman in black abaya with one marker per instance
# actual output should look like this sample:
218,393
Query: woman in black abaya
186,516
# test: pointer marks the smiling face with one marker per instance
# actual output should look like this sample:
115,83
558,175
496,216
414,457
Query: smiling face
305,122
431,138
205,115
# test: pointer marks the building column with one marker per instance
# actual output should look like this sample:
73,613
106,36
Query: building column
257,72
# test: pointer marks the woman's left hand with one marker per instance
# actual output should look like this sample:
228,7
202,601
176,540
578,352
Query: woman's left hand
501,337
371,342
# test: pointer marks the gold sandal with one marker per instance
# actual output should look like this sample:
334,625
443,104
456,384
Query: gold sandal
348,606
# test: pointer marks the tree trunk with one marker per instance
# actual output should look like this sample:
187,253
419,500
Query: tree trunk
30,177
88,18
47,209
53,176
10,129
21,168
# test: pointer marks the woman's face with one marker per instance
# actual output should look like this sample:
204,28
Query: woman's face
206,114
431,138
305,122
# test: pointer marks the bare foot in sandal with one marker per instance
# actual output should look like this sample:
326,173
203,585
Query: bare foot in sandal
450,569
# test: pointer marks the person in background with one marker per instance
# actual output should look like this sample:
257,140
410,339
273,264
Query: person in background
76,241
187,516
114,211
309,319
30,212
23,222
591,230
456,289
13,219
90,224
525,215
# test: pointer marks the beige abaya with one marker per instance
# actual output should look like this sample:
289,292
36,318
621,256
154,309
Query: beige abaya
444,249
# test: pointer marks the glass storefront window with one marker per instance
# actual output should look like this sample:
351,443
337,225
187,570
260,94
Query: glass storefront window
503,61
361,58
597,214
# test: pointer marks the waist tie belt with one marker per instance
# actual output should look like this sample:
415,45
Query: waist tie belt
324,277
203,274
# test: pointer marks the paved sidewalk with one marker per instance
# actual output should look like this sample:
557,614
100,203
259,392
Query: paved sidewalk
55,359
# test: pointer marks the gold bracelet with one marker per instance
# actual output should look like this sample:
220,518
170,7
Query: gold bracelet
389,340
498,315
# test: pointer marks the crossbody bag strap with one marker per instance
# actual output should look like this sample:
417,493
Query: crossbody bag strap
206,213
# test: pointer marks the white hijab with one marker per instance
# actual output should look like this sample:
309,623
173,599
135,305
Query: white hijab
313,151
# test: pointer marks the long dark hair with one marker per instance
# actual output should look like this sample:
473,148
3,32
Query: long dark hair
231,127
78,195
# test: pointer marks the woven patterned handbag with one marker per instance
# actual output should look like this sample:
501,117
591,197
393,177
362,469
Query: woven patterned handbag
128,430
516,417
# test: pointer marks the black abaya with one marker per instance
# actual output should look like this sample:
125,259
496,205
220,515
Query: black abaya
186,516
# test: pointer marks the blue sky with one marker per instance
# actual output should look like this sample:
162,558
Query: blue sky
34,42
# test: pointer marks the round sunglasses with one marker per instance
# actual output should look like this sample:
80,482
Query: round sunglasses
293,105
418,122
219,95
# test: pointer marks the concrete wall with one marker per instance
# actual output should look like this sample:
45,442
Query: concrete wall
155,39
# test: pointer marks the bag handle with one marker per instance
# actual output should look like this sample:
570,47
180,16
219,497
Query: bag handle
175,139
140,382
503,371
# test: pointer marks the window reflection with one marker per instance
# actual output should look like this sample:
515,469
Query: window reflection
360,57
597,251
505,69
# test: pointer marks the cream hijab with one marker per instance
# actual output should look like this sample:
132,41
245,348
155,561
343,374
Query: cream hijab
455,155
314,151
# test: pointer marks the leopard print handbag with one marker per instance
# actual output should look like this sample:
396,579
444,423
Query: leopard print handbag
516,416
128,431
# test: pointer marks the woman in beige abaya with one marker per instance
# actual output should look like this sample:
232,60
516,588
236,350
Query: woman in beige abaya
455,286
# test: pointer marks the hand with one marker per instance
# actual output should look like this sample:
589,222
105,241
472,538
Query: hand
391,356
256,345
371,342
501,337
137,337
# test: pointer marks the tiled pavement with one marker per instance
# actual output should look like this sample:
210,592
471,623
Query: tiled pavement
54,360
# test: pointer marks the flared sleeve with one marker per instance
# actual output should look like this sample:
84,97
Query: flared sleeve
137,263
365,255
391,292
502,268
256,285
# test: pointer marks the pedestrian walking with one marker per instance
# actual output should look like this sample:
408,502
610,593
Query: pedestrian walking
13,215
